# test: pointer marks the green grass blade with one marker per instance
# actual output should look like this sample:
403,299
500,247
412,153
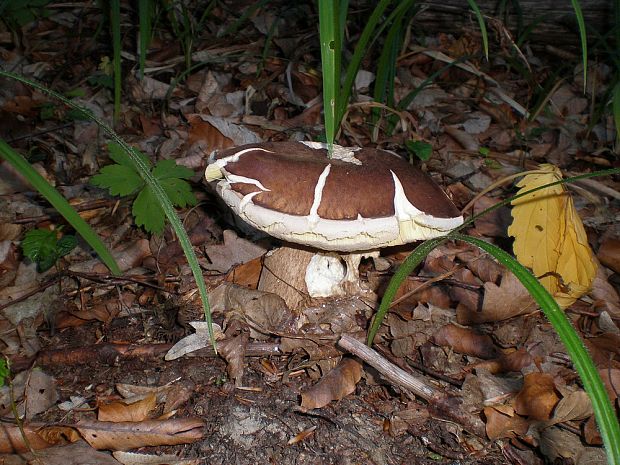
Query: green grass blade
356,60
156,187
145,13
616,108
329,35
583,38
483,28
603,410
115,24
60,204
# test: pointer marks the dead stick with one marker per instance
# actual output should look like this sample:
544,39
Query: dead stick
393,373
441,404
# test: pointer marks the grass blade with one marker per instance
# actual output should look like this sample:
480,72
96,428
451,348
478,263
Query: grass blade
145,12
155,186
583,38
483,28
356,60
329,34
60,204
616,108
115,24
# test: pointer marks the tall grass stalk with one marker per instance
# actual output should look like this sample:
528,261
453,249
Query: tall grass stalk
331,43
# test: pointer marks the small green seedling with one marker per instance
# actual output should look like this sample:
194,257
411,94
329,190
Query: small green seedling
44,247
4,371
123,179
422,150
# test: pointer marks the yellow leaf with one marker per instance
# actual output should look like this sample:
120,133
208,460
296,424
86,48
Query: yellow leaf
550,238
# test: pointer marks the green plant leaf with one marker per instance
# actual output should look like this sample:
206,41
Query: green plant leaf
39,244
120,156
147,211
329,33
118,179
422,150
179,191
66,244
4,371
166,169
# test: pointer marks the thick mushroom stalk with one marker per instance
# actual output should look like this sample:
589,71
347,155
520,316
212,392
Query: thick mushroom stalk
359,200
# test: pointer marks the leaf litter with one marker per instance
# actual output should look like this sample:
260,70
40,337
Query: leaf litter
461,320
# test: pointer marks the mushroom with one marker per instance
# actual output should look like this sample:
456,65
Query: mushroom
356,202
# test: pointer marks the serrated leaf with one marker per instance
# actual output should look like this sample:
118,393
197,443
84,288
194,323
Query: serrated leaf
179,191
66,244
550,238
118,154
46,263
147,211
165,169
118,179
39,244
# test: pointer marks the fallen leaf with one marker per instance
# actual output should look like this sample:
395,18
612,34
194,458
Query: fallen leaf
40,393
233,351
234,251
550,238
122,411
501,302
502,423
132,458
466,341
537,398
609,253
12,441
574,406
130,435
335,385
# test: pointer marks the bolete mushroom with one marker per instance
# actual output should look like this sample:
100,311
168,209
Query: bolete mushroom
356,202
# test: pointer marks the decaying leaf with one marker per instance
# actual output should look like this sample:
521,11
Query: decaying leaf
335,385
550,238
122,411
130,435
466,341
504,423
537,398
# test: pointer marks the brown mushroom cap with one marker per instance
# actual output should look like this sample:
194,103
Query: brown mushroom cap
360,199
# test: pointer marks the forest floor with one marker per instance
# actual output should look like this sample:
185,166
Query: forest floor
90,378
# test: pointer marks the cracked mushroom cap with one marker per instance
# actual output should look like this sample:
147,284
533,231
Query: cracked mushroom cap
360,199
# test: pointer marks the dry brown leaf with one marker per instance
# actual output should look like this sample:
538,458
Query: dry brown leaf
121,411
132,458
234,251
335,385
12,441
40,393
550,238
246,274
466,341
130,435
78,453
575,406
609,253
233,351
501,302
203,132
503,424
537,398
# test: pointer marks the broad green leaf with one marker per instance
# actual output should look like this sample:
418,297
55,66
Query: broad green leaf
120,156
179,191
118,179
39,244
169,169
66,244
148,212
422,150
